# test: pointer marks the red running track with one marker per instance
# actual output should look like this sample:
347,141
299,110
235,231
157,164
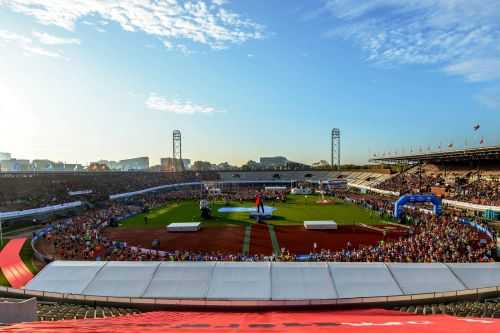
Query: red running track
13,267
359,321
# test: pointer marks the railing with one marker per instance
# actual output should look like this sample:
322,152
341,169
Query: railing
158,303
37,254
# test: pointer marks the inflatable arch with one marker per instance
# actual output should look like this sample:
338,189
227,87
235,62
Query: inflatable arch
417,198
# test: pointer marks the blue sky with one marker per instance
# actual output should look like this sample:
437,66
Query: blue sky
83,80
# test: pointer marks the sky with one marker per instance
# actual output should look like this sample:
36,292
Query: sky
83,80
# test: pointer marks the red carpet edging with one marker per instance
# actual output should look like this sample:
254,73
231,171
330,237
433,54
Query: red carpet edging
12,266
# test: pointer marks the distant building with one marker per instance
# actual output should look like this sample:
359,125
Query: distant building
273,162
8,164
112,165
42,165
187,163
73,167
5,156
14,165
134,164
155,168
97,167
169,164
321,165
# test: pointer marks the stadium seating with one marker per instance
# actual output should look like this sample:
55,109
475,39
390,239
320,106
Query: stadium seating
486,309
47,311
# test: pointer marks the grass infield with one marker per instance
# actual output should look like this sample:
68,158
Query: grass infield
294,211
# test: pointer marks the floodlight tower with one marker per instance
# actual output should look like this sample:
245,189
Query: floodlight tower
335,159
177,150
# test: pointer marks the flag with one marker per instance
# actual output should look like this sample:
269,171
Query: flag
482,141
476,127
450,145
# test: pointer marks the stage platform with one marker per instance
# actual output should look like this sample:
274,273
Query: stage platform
320,225
184,227
266,215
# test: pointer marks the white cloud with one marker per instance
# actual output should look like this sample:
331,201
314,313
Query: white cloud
219,2
183,48
462,36
48,39
490,98
198,21
26,44
476,70
160,103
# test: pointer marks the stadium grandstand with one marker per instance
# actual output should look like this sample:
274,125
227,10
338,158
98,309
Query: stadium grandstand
208,166
111,256
468,175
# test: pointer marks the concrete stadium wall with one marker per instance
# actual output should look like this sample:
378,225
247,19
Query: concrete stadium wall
17,310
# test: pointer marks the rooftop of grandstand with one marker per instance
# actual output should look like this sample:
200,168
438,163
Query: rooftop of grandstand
260,280
449,155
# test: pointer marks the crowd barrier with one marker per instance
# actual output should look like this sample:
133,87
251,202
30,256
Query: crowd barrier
471,206
169,186
163,303
372,189
152,189
41,210
477,226
36,236
84,192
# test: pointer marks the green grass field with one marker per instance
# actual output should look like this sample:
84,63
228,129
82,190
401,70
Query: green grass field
295,211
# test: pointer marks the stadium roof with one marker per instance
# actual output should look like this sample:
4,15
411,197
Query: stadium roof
465,154
260,281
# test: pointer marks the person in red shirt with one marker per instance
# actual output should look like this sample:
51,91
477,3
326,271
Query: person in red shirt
259,203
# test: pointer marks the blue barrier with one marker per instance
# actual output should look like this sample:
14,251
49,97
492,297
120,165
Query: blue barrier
417,198
477,226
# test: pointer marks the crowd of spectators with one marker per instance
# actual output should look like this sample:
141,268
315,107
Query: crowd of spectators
81,237
473,188
411,182
431,238
481,191
20,191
